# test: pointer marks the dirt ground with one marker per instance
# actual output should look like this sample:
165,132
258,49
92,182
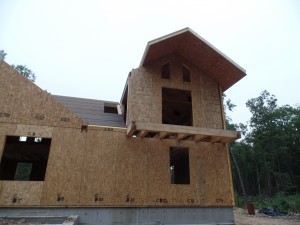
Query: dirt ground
242,218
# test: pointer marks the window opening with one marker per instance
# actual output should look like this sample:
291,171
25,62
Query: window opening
24,158
186,74
165,71
110,108
177,107
179,165
23,171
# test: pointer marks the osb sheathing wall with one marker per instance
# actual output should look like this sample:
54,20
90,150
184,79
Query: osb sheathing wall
101,168
22,102
145,92
104,168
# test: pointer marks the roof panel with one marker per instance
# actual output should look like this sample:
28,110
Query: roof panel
91,111
198,51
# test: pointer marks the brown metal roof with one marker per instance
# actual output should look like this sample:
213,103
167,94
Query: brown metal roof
92,111
200,52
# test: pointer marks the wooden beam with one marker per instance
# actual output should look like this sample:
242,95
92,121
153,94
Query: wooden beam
182,132
162,135
144,133
215,139
199,137
166,128
182,136
131,129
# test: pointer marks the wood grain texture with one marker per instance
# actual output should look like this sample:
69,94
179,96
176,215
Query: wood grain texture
20,193
131,171
22,102
64,169
145,92
99,170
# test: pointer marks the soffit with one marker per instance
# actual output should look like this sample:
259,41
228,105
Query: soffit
198,51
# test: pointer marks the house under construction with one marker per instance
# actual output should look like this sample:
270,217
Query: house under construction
160,156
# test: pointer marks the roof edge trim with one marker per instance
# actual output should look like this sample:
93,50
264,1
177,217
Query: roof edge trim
161,39
187,29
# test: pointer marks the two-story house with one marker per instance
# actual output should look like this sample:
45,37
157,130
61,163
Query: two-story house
160,156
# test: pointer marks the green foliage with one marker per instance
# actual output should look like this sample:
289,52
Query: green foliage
239,200
268,157
2,55
25,72
282,202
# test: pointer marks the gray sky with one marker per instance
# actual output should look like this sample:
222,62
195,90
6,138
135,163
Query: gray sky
87,48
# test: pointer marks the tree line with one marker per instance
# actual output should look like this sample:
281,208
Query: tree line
267,160
22,69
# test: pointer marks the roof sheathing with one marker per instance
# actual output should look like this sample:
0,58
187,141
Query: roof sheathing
198,51
92,111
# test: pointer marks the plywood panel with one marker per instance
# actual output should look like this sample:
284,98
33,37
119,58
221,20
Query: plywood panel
145,100
131,172
105,168
5,129
161,192
217,177
64,170
159,178
34,131
20,193
140,95
190,195
25,103
99,171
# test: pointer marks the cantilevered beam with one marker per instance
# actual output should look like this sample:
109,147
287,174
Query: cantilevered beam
162,135
131,129
144,133
182,136
183,132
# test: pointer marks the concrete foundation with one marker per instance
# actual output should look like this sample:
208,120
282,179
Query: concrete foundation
129,216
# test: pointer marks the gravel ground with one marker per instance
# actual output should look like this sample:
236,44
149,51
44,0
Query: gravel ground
242,218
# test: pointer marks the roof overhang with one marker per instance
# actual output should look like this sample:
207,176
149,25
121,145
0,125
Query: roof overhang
198,51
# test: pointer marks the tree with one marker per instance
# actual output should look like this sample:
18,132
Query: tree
25,72
274,138
268,157
2,55
230,126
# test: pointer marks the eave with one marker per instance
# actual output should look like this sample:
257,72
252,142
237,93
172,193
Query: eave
198,51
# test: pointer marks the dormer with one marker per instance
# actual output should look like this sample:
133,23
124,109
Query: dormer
177,90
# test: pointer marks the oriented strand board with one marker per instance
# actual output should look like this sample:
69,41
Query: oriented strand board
145,92
65,166
105,168
99,170
5,129
131,172
216,174
159,178
20,193
34,131
22,102
160,190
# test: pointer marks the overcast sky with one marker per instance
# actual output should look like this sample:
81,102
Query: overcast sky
87,48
